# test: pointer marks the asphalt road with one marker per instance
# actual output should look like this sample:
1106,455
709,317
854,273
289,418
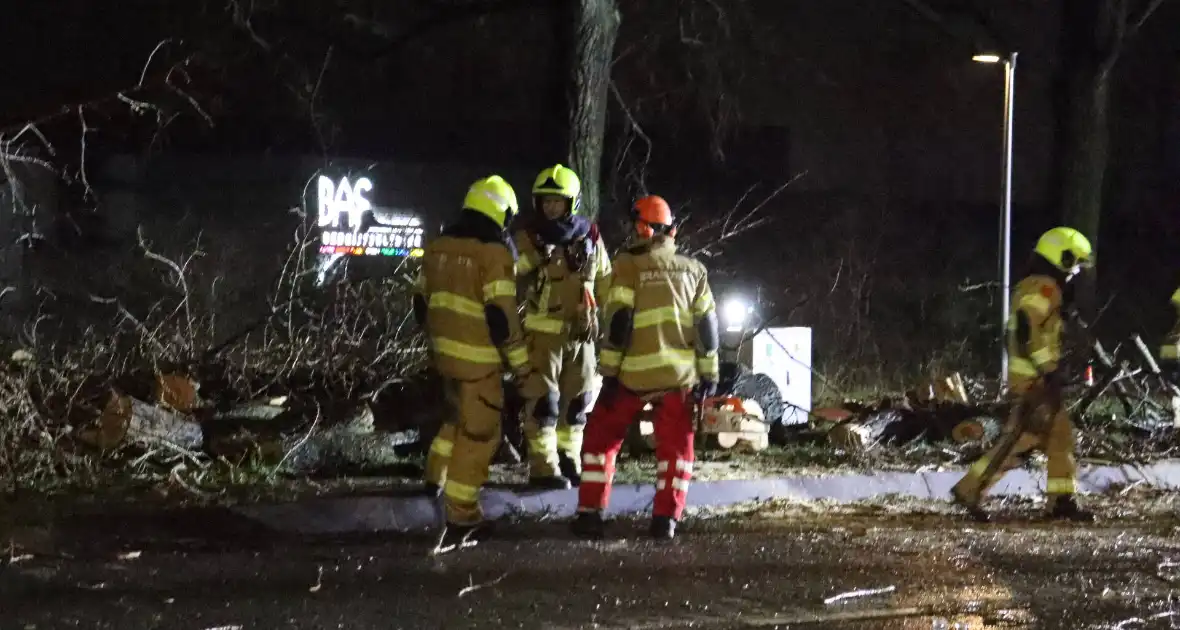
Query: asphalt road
202,570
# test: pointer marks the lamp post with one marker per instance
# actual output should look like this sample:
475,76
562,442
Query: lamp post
1005,204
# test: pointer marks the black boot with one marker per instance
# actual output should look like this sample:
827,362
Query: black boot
1065,508
973,510
554,482
569,469
663,527
459,536
589,525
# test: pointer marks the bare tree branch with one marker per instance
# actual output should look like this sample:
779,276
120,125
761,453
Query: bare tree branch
736,221
972,26
31,128
342,35
1138,21
639,179
243,17
148,64
85,131
921,8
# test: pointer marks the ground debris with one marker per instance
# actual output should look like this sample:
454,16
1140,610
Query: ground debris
472,586
868,592
148,421
939,412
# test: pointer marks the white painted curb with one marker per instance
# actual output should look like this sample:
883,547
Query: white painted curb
361,514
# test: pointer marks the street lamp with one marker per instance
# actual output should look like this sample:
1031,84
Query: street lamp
1005,204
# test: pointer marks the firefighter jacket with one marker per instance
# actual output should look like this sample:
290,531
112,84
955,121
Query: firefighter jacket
1034,330
465,299
564,282
662,324
1170,349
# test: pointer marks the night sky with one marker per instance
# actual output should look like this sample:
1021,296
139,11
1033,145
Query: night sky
870,99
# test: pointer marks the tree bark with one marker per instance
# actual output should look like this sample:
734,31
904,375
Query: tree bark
595,27
1089,47
1092,33
1086,148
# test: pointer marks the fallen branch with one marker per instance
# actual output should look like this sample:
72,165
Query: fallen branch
472,586
859,593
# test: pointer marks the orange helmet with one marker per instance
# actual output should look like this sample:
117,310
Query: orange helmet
651,212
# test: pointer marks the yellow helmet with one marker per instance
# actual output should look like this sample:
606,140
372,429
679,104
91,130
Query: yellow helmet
1176,297
562,181
494,198
1068,249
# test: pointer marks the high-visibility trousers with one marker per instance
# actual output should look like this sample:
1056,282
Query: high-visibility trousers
462,451
606,431
1036,423
554,424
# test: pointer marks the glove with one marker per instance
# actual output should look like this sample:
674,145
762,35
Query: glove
584,327
704,388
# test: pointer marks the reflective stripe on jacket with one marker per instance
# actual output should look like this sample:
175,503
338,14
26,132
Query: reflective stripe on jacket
460,279
1039,298
553,291
667,295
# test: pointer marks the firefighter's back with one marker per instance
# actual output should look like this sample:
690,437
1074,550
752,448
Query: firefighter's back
661,354
453,270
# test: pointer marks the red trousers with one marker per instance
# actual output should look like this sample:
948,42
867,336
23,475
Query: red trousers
604,435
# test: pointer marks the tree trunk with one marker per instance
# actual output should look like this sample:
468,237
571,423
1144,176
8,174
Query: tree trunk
595,28
1091,37
1085,151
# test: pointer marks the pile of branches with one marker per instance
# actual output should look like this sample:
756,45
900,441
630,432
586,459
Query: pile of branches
943,410
1126,411
1132,411
160,393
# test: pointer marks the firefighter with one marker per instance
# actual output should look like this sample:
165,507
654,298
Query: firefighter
660,347
465,299
1170,348
563,267
1038,420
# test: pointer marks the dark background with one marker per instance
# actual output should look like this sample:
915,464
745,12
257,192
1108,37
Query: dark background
894,134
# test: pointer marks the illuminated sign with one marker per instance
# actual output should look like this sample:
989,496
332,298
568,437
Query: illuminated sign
366,230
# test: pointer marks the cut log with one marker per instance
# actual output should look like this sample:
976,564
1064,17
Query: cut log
176,392
950,389
360,421
832,414
936,423
749,441
983,429
943,389
868,432
258,411
340,450
127,420
732,421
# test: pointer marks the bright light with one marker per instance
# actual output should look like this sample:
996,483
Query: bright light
734,313
343,198
986,58
399,234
